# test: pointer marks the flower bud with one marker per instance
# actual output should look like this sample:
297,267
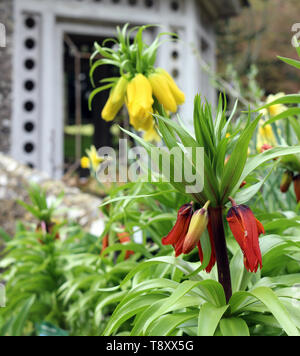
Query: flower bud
197,226
286,181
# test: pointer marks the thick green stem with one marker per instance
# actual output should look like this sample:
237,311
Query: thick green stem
216,220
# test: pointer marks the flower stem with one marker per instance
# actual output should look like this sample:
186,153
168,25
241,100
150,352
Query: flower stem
216,219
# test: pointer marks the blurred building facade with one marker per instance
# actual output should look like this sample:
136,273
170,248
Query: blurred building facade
33,73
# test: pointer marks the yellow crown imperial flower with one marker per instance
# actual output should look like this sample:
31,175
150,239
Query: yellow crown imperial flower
177,93
139,103
92,160
116,100
276,109
162,91
265,137
85,162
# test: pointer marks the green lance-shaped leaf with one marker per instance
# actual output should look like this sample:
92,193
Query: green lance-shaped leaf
271,301
234,327
236,163
296,126
291,62
20,320
256,161
285,114
210,190
209,318
97,91
166,324
287,99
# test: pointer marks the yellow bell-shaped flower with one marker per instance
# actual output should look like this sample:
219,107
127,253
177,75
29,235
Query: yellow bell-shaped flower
177,93
265,137
139,103
92,160
276,109
116,100
162,91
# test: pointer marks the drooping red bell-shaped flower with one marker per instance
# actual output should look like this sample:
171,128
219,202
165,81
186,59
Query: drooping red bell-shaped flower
177,234
246,230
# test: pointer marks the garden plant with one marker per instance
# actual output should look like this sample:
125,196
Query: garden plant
172,260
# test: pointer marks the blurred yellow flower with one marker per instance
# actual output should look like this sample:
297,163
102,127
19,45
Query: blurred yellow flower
85,162
265,138
92,160
116,100
276,109
139,103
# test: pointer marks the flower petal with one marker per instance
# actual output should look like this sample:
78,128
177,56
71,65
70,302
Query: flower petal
246,230
180,228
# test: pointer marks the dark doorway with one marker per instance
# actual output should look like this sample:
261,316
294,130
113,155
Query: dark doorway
92,129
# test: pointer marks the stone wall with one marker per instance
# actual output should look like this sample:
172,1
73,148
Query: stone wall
76,206
6,18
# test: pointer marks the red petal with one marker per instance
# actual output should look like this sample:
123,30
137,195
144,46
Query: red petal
246,229
178,246
104,243
123,238
260,227
200,252
212,260
181,226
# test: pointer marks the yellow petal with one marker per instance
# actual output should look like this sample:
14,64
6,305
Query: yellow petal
115,101
265,136
85,162
276,109
139,102
177,93
93,160
162,91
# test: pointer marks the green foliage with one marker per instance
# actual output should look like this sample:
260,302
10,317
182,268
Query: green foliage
39,206
163,302
60,279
